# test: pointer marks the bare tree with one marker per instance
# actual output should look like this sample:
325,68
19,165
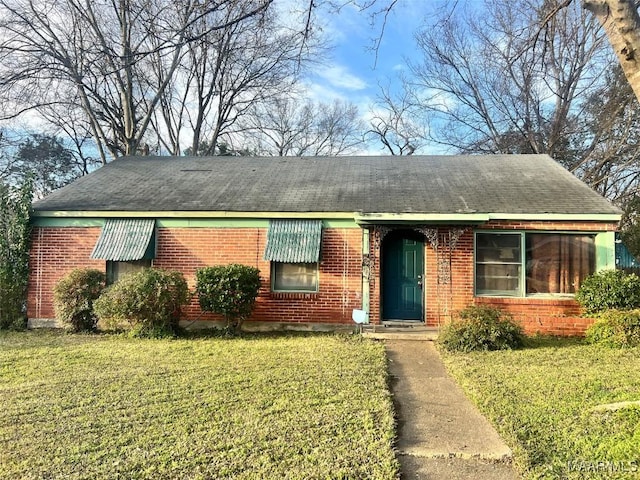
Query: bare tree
519,81
100,50
288,127
398,122
491,88
610,157
223,74
621,23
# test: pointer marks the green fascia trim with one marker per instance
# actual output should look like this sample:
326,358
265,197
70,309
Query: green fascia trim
182,222
443,218
605,251
67,222
193,214
240,223
211,223
556,217
469,218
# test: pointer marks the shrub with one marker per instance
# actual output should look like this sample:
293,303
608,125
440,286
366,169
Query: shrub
616,328
148,302
480,327
609,289
74,296
229,290
15,230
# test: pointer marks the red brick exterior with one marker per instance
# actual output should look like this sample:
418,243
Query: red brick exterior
54,253
57,250
443,299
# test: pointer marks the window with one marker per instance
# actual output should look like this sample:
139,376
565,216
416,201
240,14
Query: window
498,264
515,264
558,263
117,270
294,277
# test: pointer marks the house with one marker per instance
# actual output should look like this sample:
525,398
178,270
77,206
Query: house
413,239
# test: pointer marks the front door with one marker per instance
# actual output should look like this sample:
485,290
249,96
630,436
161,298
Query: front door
402,272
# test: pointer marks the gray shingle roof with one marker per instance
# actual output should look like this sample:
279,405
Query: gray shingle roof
530,184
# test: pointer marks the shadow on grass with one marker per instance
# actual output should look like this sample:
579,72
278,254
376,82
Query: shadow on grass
547,341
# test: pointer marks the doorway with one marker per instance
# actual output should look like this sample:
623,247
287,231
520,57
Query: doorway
403,276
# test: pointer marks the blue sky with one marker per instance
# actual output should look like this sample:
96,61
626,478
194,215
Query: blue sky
353,71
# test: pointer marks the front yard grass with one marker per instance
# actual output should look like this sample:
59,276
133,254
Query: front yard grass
100,406
542,399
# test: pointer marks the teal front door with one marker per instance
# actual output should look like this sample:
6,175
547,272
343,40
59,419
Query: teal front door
402,276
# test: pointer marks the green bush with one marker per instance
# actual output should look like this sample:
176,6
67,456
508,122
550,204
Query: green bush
148,302
229,290
609,289
15,231
74,296
480,327
616,328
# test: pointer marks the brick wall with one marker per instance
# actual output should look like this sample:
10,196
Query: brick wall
447,293
56,251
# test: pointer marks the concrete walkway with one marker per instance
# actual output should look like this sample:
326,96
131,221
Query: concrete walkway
441,435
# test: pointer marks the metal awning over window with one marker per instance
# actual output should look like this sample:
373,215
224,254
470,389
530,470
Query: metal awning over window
125,240
293,241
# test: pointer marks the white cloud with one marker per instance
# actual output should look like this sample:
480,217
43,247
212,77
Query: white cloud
339,77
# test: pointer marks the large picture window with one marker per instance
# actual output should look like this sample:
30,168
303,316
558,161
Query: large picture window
517,264
294,277
558,263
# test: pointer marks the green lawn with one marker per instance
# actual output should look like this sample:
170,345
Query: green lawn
541,400
289,406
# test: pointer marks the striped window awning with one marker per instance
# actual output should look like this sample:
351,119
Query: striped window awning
125,240
293,241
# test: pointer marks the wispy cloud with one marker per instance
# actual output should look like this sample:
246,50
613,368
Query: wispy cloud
340,77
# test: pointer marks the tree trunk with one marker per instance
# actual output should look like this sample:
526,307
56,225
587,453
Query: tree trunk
621,23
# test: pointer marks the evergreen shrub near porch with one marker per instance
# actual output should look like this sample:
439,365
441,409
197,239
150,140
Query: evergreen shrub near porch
146,303
15,230
481,327
609,289
613,297
229,290
74,295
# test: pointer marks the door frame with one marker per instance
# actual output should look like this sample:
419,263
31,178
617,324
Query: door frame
403,233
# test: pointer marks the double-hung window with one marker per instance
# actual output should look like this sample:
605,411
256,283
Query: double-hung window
523,263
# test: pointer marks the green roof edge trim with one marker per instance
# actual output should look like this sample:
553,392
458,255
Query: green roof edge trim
184,222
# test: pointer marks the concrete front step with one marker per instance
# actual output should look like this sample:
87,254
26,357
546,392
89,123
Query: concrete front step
388,331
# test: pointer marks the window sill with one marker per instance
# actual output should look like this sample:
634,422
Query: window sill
293,295
529,300
538,296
